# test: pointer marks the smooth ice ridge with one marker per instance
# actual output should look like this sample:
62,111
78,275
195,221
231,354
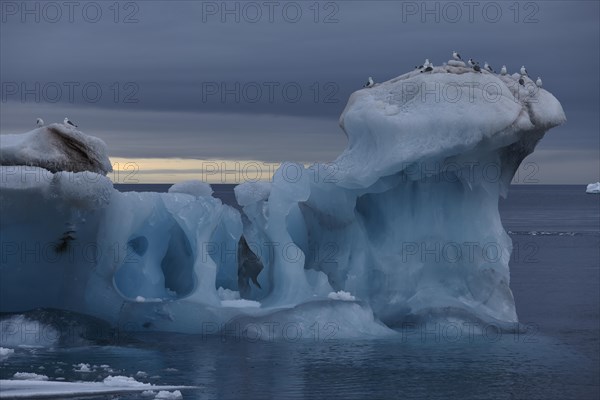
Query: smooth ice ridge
56,147
403,226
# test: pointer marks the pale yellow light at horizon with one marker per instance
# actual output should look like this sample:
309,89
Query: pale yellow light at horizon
173,170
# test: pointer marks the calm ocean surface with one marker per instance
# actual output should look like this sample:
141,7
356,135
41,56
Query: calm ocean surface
555,280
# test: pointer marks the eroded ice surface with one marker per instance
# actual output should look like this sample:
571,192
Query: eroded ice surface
404,225
56,147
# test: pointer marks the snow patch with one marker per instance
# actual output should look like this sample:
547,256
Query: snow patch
241,303
226,294
341,295
142,299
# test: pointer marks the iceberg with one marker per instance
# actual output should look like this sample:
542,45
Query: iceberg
593,188
403,226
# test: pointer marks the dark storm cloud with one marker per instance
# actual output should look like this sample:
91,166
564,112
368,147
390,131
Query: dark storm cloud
180,57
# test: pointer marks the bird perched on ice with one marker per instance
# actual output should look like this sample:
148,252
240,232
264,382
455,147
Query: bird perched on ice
425,64
429,67
522,80
523,71
538,83
503,70
456,56
68,122
370,83
488,67
474,65
39,122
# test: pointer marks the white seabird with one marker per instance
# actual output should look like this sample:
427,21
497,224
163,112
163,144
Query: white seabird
370,83
456,56
67,122
538,83
503,70
39,122
474,65
488,67
425,64
523,70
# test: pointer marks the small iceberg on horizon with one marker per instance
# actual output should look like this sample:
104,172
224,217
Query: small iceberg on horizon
593,188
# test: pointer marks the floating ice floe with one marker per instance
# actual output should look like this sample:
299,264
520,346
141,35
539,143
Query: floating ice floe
5,353
29,376
32,387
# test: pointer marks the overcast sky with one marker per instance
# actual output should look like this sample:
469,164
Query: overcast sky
267,81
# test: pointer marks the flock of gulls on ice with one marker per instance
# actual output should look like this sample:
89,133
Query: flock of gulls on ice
428,67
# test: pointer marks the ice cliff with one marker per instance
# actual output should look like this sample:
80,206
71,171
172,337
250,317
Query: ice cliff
403,226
